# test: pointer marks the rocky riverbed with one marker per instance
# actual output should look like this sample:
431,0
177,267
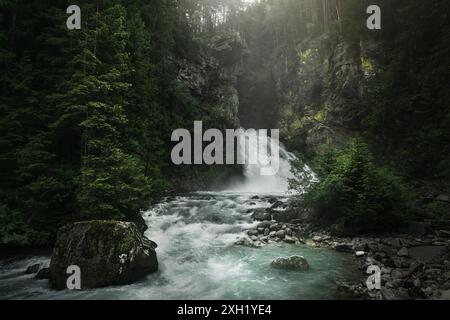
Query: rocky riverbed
214,246
197,259
414,264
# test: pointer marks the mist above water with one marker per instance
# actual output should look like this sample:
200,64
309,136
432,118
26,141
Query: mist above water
265,151
198,258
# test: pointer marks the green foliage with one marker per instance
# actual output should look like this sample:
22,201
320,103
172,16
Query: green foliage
325,162
87,115
115,190
440,210
358,194
15,232
409,102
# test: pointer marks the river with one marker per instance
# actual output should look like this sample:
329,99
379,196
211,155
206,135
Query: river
198,259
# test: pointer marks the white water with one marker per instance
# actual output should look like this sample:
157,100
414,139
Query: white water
195,234
264,152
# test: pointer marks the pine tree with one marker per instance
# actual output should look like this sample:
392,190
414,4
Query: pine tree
111,184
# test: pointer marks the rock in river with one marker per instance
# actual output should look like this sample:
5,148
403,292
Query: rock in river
289,239
280,234
107,253
291,263
264,224
261,215
403,252
360,253
344,247
33,268
44,273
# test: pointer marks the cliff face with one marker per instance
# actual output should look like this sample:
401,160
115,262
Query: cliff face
322,91
390,86
213,76
323,79
313,93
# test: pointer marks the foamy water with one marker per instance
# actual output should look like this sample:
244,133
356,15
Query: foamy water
197,256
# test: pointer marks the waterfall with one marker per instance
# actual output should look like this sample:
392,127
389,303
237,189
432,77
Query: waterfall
264,150
198,259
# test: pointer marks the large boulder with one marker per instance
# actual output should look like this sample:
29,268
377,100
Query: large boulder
107,253
291,263
139,221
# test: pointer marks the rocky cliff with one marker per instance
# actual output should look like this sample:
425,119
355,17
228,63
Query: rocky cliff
322,93
212,77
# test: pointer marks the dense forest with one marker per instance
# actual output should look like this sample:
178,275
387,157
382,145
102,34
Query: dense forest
87,115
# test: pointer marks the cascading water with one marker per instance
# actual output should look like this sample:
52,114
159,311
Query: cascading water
266,151
263,151
198,258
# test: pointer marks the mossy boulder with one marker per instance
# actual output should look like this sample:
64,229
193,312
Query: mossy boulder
107,252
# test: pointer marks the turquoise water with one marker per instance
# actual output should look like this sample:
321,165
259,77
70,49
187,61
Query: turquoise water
198,259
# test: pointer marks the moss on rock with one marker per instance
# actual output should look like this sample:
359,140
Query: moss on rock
107,252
